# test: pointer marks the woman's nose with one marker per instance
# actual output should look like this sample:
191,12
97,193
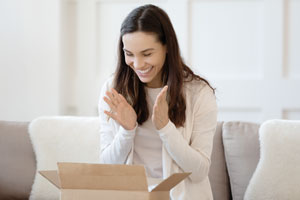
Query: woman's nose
138,63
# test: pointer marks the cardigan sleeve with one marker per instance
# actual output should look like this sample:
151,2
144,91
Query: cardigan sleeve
115,141
194,155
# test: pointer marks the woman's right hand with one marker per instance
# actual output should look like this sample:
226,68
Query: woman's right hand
121,110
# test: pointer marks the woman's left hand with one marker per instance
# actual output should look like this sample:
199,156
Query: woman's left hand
160,116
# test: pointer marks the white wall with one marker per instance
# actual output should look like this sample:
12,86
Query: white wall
29,59
249,50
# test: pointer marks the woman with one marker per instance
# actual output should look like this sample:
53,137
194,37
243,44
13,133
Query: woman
155,111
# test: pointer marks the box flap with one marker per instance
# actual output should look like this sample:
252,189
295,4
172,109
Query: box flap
102,176
52,176
171,181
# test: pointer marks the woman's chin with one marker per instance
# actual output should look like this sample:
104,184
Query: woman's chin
145,80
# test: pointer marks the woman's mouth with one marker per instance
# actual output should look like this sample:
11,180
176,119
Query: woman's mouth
144,72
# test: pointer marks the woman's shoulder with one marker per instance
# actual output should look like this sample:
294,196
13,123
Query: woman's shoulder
200,94
195,87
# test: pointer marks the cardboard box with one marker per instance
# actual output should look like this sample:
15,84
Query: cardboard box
108,182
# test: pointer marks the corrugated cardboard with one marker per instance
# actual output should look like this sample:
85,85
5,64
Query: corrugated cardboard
78,181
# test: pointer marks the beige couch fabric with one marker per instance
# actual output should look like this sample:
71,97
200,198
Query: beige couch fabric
17,161
59,136
241,147
64,138
218,176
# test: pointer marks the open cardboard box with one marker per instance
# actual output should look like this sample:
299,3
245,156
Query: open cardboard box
108,182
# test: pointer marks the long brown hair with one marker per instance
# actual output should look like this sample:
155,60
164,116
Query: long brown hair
152,19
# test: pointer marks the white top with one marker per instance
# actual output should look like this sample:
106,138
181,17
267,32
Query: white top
147,143
185,149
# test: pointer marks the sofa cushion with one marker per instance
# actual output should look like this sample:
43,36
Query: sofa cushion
51,141
17,162
241,147
218,172
277,175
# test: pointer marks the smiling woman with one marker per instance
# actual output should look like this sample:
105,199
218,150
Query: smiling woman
155,111
146,56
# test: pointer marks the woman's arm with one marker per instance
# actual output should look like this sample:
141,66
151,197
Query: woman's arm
115,141
115,147
194,155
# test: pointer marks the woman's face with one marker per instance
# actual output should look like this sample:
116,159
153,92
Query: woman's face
146,56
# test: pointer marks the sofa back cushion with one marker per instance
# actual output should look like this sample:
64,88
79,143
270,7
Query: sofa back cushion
50,137
218,175
277,175
241,146
17,163
62,139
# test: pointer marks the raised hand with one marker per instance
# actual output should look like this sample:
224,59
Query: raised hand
160,116
121,111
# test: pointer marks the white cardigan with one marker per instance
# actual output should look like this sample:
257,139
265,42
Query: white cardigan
185,149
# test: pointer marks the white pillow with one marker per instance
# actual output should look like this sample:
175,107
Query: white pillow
277,175
61,139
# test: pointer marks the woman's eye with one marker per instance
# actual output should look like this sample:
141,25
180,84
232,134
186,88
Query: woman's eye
128,54
148,54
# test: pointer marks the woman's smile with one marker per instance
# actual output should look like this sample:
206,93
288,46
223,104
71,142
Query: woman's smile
145,72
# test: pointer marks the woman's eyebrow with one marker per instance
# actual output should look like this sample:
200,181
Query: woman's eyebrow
149,49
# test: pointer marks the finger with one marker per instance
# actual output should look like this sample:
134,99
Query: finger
109,94
165,91
113,90
115,95
110,114
109,102
111,97
162,94
122,98
158,100
156,114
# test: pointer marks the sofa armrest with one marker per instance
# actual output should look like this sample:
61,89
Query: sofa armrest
17,162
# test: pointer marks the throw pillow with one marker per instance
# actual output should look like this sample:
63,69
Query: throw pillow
61,139
218,172
17,163
241,147
277,175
